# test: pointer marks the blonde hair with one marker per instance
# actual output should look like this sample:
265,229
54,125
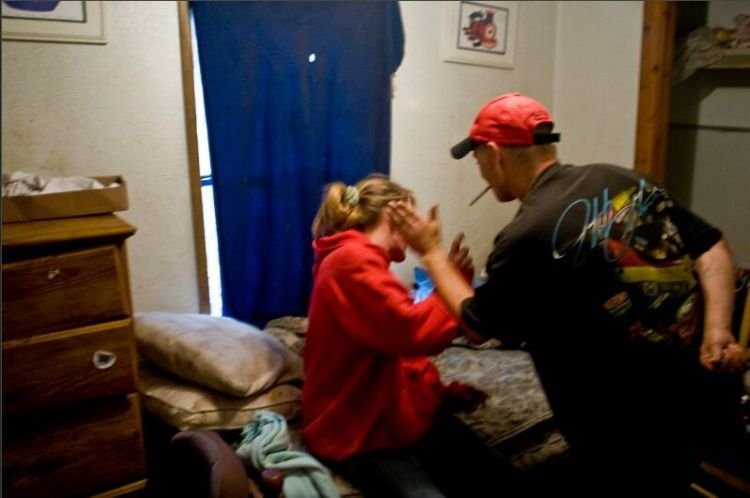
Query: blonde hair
357,206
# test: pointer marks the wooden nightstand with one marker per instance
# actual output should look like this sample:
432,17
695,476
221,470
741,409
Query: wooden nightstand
71,417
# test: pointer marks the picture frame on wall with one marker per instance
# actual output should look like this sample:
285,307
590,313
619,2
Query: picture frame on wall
64,21
480,32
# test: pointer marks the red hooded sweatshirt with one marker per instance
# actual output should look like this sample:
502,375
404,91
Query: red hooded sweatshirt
368,382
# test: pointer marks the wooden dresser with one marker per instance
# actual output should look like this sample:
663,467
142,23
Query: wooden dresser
71,418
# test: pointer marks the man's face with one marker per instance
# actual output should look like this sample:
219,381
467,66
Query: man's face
488,160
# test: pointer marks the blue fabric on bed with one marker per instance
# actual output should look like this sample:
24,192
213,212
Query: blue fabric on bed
266,445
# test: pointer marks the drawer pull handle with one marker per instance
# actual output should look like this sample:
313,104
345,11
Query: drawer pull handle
103,359
53,274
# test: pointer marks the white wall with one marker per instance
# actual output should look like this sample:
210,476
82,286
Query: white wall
708,168
434,105
596,81
72,109
722,13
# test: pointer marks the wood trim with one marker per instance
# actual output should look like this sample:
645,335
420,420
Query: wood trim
657,49
692,126
702,491
745,325
191,131
128,489
64,334
61,230
736,482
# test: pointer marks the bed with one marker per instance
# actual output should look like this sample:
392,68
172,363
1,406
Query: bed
190,365
516,418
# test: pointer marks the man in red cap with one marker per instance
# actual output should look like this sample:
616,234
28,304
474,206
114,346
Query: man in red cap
623,299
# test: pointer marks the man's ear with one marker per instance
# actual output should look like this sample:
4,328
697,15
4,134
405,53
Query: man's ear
495,153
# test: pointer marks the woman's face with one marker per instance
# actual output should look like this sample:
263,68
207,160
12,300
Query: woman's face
397,249
397,245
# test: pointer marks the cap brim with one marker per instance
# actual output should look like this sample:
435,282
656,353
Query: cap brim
462,148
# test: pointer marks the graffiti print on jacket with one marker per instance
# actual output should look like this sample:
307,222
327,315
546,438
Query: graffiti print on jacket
634,233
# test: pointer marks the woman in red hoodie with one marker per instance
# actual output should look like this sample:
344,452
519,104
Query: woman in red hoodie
373,405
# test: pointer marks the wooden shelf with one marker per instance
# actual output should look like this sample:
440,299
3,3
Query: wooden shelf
733,58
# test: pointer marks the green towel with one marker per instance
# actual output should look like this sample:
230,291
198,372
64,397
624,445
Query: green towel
265,445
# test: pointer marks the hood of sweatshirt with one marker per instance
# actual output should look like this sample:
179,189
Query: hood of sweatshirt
324,246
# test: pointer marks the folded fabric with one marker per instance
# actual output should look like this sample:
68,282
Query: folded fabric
186,405
21,183
265,444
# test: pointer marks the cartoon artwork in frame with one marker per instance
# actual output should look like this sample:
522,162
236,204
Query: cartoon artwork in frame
64,21
480,32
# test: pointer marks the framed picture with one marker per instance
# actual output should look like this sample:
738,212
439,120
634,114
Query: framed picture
54,21
480,32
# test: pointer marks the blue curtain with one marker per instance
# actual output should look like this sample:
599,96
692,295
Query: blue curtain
297,94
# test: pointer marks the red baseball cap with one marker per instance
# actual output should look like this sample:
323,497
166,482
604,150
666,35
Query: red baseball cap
510,119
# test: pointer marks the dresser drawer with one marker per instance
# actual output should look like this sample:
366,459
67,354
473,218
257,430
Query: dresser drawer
94,448
62,368
63,291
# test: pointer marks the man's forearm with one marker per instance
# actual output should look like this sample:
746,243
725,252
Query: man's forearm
715,269
450,285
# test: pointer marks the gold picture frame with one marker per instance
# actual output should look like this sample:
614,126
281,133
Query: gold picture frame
55,21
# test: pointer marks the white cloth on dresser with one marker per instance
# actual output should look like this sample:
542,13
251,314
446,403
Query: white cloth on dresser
21,183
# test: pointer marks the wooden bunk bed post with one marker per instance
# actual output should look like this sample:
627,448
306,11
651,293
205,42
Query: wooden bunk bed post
657,48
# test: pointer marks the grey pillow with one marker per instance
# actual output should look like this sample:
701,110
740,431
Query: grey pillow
185,405
217,352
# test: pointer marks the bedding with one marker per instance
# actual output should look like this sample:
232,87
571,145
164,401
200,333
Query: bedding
516,419
188,356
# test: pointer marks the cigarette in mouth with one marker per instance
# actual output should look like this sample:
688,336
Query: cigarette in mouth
487,189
